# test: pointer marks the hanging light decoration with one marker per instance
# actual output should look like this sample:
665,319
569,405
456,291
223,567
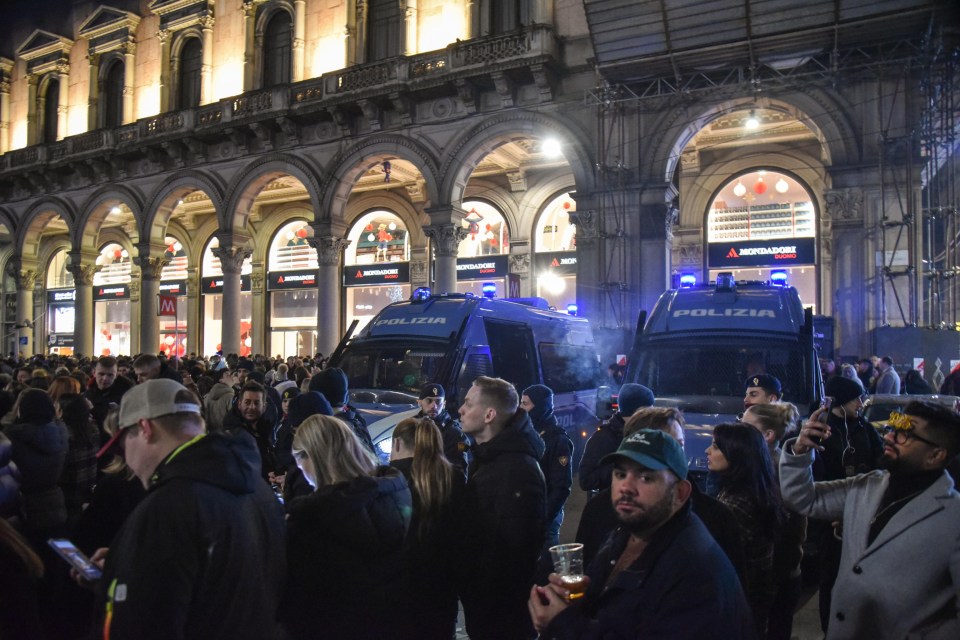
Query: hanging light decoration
781,186
752,122
760,188
739,190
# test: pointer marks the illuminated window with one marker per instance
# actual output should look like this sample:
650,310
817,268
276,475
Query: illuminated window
487,232
290,249
378,236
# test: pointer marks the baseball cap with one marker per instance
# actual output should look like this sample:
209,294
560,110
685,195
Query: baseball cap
652,449
150,399
765,381
432,390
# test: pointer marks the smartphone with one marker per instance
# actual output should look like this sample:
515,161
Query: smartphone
827,405
75,558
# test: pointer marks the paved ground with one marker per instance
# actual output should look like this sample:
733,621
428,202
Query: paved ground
806,623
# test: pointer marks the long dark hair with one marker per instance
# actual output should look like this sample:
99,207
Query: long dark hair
431,475
750,470
76,415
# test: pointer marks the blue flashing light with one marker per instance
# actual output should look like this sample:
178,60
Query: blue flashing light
489,289
779,277
572,309
688,279
420,294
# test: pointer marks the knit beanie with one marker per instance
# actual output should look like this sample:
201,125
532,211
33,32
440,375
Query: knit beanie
632,397
332,383
305,405
542,399
843,390
36,407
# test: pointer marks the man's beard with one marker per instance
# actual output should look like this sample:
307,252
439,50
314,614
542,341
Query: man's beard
640,524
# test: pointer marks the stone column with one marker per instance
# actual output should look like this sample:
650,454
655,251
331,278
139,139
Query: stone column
83,327
6,68
412,28
93,93
259,331
299,35
129,77
249,47
231,261
206,68
445,239
360,46
33,118
150,269
165,81
63,77
194,302
588,259
329,254
26,280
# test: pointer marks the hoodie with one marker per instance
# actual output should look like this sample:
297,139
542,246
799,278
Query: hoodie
200,555
506,497
345,552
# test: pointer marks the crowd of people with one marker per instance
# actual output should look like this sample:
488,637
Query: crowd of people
244,498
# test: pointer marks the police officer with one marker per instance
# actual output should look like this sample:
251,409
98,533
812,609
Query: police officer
537,401
762,388
455,444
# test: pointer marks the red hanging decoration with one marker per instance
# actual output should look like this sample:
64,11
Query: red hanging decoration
760,188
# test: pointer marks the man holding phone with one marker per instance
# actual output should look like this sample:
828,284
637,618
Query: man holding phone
198,557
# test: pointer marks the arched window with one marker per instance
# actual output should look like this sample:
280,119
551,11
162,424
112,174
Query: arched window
111,95
384,27
50,104
277,47
191,60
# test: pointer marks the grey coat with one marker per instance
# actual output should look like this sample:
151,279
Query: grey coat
904,585
888,383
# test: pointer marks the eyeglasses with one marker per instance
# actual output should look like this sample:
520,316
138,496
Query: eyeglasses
901,436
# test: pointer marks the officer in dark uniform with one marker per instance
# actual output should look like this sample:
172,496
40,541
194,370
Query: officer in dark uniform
537,401
456,445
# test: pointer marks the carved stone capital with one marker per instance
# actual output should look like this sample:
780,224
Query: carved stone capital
231,258
206,22
129,47
520,264
5,87
134,290
150,266
329,249
93,59
588,227
83,273
256,280
162,35
446,238
63,67
25,279
844,205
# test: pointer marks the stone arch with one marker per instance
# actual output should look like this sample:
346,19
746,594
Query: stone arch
161,204
245,187
279,217
8,221
36,219
535,199
479,141
88,228
348,166
820,113
48,249
387,200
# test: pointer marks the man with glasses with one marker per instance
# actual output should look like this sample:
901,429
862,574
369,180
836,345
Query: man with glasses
198,557
900,563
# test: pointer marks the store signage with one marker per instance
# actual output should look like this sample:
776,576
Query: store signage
62,295
763,253
481,268
368,275
111,292
60,339
173,287
292,280
215,284
561,263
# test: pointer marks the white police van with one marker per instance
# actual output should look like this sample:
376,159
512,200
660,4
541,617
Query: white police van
452,339
701,342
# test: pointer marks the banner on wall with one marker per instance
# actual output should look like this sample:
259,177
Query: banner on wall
561,263
369,275
111,292
173,287
292,280
62,295
762,253
482,268
214,284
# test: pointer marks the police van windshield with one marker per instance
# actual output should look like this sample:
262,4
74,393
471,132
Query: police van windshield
697,369
398,368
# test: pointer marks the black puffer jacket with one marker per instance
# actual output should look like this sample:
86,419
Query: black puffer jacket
261,433
345,555
39,451
102,399
200,557
506,495
593,475
9,480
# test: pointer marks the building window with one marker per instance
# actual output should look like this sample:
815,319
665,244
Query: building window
191,61
384,28
277,48
49,104
111,95
505,16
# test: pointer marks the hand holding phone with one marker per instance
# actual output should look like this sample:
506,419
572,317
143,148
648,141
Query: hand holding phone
75,558
825,406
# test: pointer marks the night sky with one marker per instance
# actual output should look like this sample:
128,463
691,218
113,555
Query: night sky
21,17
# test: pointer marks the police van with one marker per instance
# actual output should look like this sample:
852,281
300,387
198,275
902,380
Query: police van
452,339
700,343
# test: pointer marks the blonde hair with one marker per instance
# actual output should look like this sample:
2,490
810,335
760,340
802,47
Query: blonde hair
336,453
431,474
781,418
499,395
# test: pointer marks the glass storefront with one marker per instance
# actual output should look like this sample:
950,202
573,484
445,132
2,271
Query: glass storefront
173,282
555,255
111,302
760,223
376,268
292,285
211,284
61,297
482,255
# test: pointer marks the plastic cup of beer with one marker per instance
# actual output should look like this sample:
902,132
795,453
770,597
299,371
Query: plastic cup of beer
568,564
